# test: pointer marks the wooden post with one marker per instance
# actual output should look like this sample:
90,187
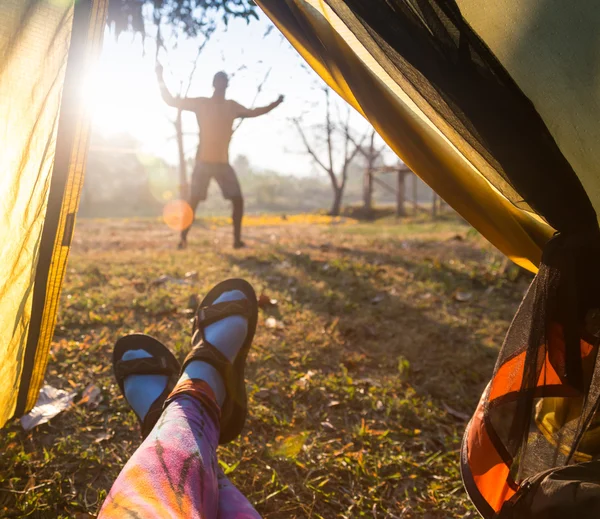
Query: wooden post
401,193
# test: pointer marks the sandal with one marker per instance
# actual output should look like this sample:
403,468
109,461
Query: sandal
235,406
162,362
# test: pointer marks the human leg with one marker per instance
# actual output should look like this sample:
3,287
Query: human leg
174,472
232,503
156,481
237,216
231,189
198,192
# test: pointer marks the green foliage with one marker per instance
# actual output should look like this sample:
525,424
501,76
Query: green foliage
190,17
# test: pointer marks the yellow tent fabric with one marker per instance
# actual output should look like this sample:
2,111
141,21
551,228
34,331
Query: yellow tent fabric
495,105
46,48
552,50
421,138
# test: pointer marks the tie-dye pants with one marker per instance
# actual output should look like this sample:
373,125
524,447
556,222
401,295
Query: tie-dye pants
174,473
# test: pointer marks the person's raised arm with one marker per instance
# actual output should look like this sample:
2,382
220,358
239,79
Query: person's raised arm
256,112
183,103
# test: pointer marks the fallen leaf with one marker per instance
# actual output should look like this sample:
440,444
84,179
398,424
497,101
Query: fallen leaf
91,397
273,323
50,402
103,436
333,325
463,297
291,446
139,286
262,394
303,381
378,299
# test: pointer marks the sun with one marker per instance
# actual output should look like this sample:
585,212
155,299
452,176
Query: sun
122,95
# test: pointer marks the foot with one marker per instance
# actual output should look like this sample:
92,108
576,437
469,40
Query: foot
239,244
228,336
146,372
142,390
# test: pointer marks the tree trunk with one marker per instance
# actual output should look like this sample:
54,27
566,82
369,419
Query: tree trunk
401,194
368,191
183,182
338,194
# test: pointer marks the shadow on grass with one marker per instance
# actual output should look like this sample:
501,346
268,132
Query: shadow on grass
381,328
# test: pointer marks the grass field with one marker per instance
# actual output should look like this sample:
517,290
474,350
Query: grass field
385,336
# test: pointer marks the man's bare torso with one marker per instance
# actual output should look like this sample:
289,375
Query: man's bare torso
215,118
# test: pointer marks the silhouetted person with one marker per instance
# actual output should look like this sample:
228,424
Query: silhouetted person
215,116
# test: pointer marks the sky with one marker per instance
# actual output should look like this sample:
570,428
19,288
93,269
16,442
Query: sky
124,96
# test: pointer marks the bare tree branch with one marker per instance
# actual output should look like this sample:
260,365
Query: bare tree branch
195,65
258,91
312,152
349,158
347,149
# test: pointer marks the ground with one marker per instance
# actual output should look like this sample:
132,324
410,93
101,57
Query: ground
361,377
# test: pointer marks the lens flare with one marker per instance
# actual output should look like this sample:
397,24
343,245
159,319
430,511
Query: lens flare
178,215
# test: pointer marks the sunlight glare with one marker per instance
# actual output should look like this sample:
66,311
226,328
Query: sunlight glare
178,215
123,96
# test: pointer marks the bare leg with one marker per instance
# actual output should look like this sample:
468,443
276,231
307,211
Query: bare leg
194,201
237,215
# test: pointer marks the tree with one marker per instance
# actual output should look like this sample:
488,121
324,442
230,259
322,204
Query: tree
187,17
333,133
372,155
177,123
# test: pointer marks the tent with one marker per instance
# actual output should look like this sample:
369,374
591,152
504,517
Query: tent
495,105
46,48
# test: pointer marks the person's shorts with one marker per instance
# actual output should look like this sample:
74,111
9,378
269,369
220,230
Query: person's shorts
222,173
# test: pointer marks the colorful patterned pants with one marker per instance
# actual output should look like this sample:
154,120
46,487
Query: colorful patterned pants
175,473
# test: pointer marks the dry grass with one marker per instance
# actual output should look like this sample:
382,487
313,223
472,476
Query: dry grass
349,398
